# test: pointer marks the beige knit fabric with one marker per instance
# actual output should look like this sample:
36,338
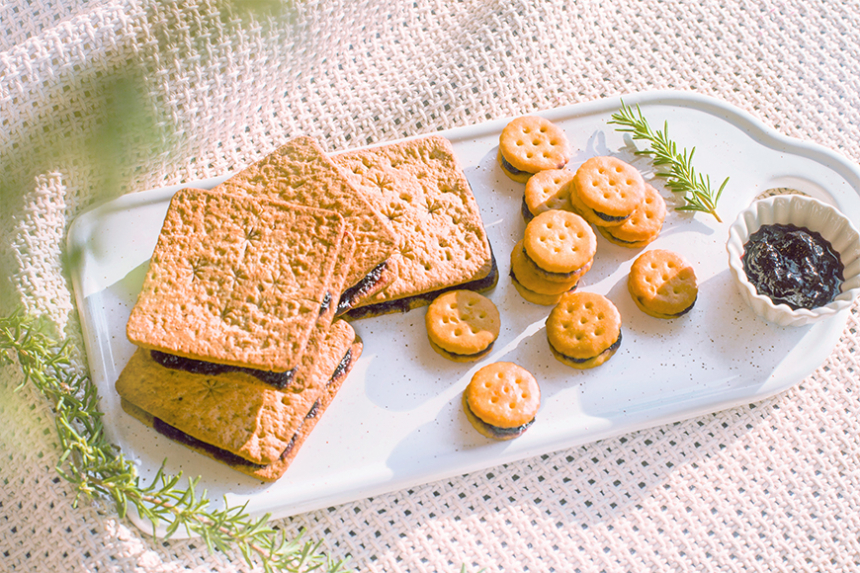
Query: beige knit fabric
104,97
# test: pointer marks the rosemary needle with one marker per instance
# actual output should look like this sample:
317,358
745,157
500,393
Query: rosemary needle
680,176
96,468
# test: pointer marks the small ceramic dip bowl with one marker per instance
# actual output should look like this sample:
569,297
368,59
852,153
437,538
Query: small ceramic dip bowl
814,216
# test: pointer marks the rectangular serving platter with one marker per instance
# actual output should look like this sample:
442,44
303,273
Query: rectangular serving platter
398,421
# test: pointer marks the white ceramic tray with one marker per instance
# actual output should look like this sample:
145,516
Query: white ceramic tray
398,422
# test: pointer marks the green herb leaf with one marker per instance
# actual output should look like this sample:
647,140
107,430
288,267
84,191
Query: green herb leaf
98,469
681,177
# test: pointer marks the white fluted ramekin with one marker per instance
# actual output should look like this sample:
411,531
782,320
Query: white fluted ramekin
802,212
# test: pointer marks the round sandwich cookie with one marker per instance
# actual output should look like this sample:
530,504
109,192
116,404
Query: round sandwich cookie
536,297
583,330
501,400
559,245
527,276
529,144
663,284
610,188
643,226
580,209
532,286
547,190
462,325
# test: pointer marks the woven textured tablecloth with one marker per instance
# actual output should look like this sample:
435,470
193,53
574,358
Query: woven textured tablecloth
104,97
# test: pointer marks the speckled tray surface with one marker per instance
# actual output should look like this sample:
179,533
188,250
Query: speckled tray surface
398,422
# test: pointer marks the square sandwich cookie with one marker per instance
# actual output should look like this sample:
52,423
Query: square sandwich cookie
257,431
421,190
300,172
278,380
238,282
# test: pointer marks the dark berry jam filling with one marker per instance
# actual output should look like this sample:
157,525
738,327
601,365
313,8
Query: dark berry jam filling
408,303
326,303
510,168
527,213
279,380
793,265
612,348
220,454
351,295
558,276
499,431
342,368
610,218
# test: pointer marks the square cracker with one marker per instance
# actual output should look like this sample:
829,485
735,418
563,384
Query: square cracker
236,280
300,172
249,424
419,186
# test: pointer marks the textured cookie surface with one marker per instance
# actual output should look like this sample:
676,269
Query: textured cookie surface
583,325
662,283
300,172
420,189
232,411
274,470
531,144
559,241
643,225
234,280
588,213
463,323
503,394
609,186
548,190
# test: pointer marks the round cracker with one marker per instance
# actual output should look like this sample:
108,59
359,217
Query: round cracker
584,364
583,325
528,277
588,213
610,187
662,283
462,322
531,144
559,242
519,176
548,190
503,394
536,297
643,225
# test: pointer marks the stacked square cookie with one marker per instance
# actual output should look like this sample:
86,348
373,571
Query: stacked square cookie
420,189
299,172
239,325
238,354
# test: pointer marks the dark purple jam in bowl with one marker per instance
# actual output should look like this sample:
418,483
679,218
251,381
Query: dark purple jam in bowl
793,265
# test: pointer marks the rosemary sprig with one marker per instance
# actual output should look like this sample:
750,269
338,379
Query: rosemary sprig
681,177
98,469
